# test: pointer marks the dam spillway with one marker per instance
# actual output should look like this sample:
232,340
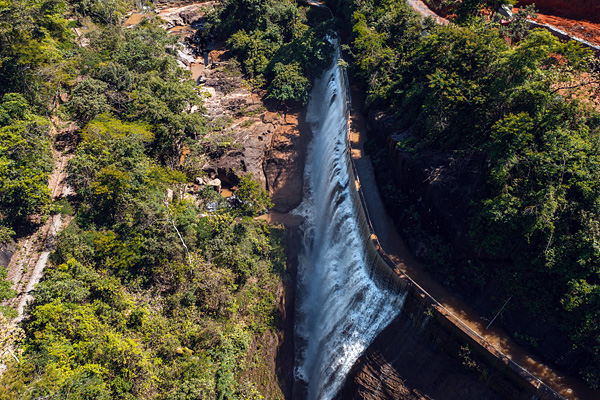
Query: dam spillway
346,294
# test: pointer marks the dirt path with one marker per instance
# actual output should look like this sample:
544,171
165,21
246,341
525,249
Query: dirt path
423,10
27,264
581,29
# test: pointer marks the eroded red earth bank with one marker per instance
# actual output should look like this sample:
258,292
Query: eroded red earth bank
578,18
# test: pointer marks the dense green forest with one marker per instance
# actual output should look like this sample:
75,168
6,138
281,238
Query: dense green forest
153,296
276,47
491,96
148,294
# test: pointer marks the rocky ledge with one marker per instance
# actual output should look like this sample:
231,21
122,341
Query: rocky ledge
414,358
248,135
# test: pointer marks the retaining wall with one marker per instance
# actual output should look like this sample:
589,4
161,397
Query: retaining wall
387,274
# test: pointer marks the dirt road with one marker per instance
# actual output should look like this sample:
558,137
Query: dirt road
27,264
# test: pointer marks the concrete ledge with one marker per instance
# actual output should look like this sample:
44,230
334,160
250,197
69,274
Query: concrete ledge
392,277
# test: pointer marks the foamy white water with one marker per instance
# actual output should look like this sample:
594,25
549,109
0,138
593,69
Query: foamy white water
340,309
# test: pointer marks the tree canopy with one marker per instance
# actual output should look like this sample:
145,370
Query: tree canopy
150,292
519,111
277,48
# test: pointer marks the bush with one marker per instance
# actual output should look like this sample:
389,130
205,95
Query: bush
289,84
88,100
253,200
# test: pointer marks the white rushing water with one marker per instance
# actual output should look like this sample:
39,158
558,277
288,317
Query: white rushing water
340,309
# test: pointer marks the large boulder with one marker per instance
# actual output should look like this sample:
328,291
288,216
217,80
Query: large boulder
6,253
214,183
186,15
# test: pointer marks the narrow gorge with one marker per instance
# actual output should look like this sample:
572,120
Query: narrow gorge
299,200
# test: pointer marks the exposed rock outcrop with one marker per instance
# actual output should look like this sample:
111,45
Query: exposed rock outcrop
186,15
247,138
246,135
414,358
6,253
284,162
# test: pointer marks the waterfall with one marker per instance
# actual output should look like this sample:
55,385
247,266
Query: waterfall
343,296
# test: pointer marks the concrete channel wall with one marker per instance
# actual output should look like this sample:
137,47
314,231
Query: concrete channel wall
388,274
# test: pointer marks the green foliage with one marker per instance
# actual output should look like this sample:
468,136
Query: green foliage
254,199
381,44
263,15
189,338
277,47
13,107
537,155
134,75
88,100
255,49
467,10
368,43
35,53
111,149
106,129
493,93
519,25
6,291
288,84
108,12
146,296
76,333
34,44
124,315
6,234
25,164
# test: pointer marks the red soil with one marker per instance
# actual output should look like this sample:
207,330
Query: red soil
588,10
580,28
579,18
